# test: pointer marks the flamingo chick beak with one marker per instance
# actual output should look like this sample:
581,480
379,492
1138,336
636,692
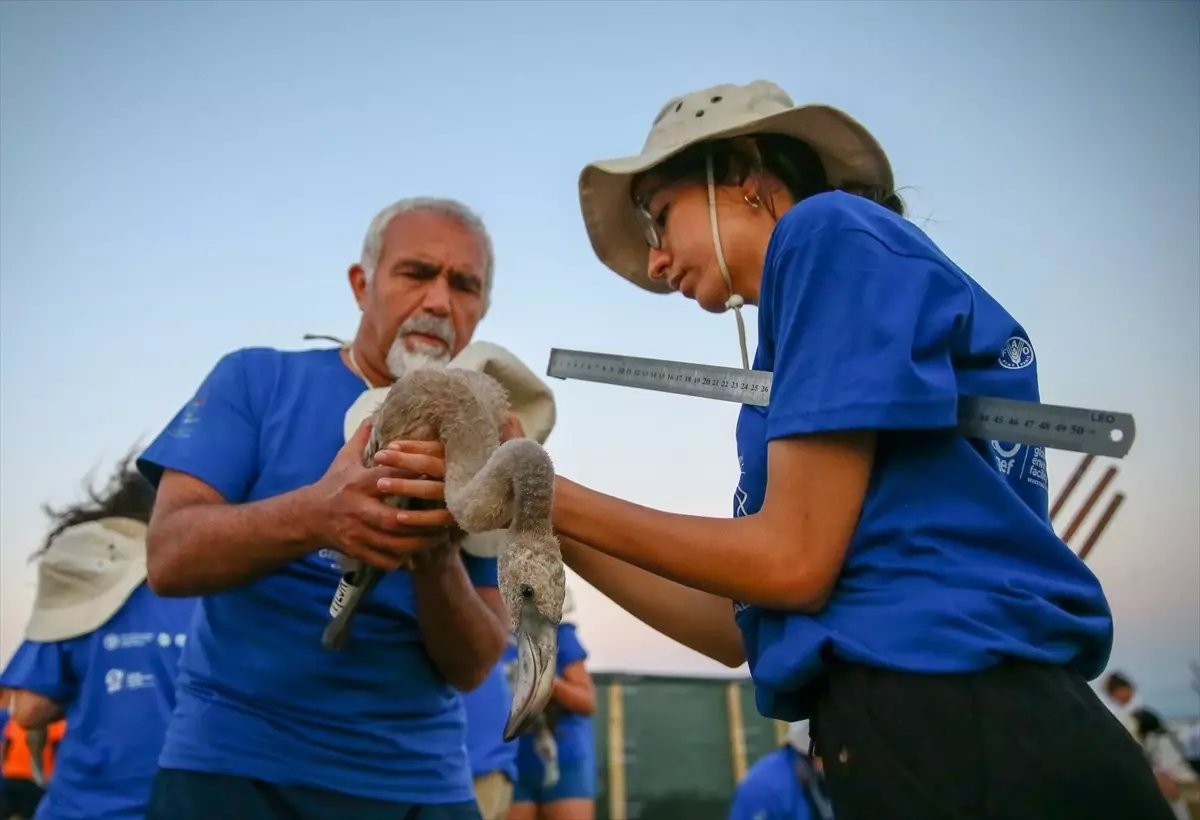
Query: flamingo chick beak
537,654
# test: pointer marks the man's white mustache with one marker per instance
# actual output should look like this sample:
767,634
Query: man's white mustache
439,329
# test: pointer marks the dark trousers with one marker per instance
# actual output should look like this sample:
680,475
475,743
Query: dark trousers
19,798
183,795
1020,741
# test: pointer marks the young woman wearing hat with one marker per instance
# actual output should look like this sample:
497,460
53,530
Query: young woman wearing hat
894,581
101,649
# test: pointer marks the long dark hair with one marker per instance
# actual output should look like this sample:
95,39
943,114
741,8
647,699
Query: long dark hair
792,161
127,495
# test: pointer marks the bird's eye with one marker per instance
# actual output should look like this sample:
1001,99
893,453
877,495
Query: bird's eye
527,591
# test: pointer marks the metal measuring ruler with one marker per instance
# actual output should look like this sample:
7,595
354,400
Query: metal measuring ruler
1099,432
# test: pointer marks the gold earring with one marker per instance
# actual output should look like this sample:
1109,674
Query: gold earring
753,202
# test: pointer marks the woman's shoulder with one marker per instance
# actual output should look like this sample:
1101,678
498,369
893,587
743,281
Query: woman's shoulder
841,228
838,211
850,221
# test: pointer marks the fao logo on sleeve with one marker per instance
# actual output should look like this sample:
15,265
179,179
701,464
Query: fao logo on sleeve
1017,354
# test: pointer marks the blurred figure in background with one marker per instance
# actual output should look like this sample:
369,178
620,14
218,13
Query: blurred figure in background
493,762
5,697
102,649
783,785
22,783
1120,698
1167,758
1190,738
571,795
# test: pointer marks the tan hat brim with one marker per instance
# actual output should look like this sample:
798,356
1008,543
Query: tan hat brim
64,623
848,151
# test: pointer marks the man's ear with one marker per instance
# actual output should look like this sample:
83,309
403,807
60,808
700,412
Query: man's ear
359,284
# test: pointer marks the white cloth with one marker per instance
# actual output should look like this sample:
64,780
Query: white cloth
798,736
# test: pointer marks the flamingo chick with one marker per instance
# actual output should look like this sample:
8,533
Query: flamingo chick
489,486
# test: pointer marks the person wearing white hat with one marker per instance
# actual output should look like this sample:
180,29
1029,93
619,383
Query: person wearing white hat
260,487
102,649
898,583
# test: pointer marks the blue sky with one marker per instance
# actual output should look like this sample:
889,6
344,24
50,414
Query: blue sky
181,179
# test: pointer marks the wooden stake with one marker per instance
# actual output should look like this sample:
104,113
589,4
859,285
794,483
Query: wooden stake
1099,489
1070,486
781,732
1101,525
616,753
737,730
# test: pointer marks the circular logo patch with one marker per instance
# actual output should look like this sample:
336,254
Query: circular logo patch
1017,353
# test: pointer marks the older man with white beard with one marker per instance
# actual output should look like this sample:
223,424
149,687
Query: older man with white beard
256,487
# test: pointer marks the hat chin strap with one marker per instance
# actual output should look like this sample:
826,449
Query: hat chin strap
734,300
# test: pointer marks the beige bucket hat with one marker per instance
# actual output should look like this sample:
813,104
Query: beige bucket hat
85,575
847,150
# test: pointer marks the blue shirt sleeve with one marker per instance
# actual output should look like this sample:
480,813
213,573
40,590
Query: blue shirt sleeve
42,668
863,327
570,650
214,437
483,572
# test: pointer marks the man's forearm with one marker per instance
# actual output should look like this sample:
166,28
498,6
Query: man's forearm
204,549
462,635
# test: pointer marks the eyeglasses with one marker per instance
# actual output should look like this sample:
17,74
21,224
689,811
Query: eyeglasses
648,223
691,169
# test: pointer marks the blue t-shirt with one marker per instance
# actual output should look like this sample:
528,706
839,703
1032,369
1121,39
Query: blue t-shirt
771,790
953,565
572,732
118,686
259,696
487,711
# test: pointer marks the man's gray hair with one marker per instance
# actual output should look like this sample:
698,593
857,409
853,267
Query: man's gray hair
373,243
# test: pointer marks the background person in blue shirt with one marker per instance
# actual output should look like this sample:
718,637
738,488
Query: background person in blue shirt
881,572
572,702
493,762
783,785
102,649
257,487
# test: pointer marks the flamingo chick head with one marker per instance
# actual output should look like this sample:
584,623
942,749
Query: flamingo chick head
533,585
